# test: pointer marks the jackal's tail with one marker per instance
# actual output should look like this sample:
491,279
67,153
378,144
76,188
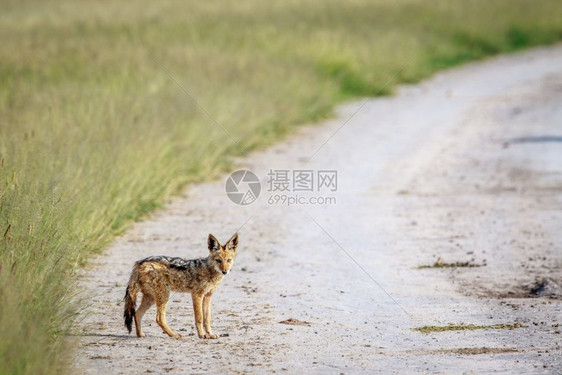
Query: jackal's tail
131,298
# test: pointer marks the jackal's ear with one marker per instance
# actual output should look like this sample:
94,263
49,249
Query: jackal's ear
232,244
213,243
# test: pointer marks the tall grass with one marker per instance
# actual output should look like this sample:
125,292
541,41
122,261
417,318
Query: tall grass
94,134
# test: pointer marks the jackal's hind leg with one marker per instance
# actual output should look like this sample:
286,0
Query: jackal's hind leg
161,304
146,302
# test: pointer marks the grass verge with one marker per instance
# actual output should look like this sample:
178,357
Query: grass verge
94,134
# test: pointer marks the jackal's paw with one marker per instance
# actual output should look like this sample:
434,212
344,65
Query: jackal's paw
141,335
176,336
208,336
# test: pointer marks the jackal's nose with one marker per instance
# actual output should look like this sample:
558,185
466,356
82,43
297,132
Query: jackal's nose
224,272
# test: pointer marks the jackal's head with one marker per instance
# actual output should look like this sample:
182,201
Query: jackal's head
223,256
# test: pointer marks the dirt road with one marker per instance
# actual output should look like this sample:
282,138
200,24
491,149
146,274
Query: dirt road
465,167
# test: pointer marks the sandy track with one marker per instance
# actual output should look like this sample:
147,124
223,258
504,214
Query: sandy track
466,166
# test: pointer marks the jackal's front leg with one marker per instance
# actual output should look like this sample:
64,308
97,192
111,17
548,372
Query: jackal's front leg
198,312
207,316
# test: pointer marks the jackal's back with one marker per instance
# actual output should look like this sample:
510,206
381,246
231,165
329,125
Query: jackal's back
173,262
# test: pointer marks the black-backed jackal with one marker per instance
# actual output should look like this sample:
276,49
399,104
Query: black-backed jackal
156,276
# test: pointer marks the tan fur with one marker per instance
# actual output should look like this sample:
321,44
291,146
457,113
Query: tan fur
157,276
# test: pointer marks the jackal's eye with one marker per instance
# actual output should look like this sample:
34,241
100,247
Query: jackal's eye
218,261
229,261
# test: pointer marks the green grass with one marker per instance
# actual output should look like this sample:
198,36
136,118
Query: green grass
94,134
466,327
